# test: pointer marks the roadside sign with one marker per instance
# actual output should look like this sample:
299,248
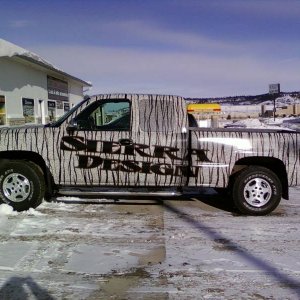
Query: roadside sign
274,88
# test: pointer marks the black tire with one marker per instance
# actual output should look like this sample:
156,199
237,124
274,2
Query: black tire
256,191
22,184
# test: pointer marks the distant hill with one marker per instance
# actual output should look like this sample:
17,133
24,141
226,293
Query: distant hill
247,100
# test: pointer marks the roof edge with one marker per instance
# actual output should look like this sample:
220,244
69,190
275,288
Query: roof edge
8,49
52,68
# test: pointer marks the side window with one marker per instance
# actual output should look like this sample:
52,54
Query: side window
106,115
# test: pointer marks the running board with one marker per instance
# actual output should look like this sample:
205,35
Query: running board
122,193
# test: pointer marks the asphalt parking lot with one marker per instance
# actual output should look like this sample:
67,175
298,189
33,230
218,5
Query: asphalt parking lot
198,248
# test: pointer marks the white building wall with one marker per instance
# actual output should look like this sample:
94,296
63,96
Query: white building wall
20,80
75,93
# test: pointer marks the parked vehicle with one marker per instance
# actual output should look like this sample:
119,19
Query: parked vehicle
142,145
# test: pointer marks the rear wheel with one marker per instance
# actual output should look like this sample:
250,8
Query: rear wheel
256,191
22,184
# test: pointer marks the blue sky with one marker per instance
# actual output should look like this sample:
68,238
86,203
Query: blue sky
194,48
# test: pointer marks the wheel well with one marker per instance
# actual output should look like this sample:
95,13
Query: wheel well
271,163
35,158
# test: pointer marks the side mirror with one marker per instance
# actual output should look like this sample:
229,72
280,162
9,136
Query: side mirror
72,125
80,124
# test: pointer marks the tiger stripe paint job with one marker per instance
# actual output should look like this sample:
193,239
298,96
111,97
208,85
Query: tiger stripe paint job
157,151
225,148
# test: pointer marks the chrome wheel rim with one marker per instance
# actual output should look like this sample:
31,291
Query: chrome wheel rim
16,187
257,192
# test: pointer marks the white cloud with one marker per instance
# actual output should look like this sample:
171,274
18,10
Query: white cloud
139,30
20,23
262,8
274,8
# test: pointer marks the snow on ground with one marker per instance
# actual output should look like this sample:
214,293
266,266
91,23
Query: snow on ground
287,123
282,101
199,248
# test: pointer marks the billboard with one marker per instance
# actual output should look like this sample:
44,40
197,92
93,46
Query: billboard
274,88
57,89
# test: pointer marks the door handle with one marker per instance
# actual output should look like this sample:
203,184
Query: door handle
125,142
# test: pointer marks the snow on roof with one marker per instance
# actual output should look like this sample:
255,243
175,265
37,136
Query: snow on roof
8,49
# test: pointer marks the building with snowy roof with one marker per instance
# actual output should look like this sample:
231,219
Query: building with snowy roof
32,90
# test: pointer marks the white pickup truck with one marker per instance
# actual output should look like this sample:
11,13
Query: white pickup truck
144,145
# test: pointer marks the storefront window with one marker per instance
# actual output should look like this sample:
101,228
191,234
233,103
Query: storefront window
52,111
2,111
66,107
28,110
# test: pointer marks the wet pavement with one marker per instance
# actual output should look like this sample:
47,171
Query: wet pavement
197,248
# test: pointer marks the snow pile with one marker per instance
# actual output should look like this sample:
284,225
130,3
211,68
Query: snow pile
252,123
32,212
6,210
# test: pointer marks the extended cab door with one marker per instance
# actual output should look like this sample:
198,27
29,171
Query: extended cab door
161,140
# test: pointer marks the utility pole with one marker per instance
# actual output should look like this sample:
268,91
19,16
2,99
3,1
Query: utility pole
274,107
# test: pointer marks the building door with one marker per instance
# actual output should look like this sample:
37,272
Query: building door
28,110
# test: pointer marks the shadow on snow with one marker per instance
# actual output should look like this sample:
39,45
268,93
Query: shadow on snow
238,250
16,288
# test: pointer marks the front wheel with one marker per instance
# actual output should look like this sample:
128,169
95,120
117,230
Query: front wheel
22,184
256,191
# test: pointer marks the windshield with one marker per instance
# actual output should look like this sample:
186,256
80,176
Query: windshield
66,115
